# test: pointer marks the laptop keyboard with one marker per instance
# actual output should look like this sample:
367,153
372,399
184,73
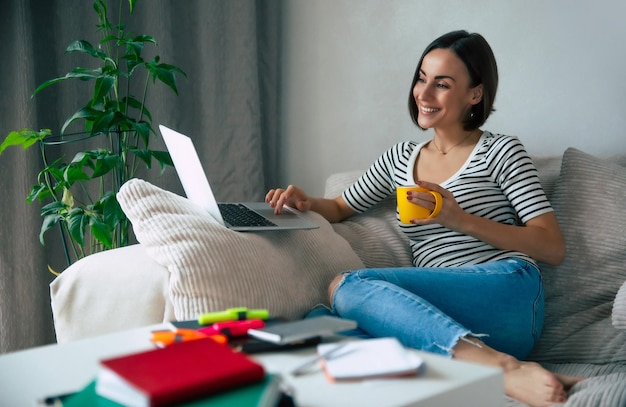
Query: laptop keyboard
239,215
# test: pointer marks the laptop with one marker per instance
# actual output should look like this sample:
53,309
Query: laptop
239,216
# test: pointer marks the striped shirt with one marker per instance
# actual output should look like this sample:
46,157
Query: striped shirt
498,181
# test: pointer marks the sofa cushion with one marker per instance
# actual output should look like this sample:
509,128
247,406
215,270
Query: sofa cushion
92,296
590,203
214,268
619,308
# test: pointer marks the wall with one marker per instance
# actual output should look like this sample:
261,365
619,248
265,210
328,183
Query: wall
348,66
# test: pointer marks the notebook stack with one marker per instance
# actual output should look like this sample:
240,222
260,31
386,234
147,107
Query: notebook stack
192,373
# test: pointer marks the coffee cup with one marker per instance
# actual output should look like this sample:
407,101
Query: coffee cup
409,210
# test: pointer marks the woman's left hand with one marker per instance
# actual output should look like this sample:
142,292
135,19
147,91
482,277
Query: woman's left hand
451,213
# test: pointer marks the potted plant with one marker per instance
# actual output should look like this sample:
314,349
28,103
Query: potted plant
79,194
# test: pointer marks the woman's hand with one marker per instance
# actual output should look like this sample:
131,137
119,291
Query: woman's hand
291,196
333,210
451,213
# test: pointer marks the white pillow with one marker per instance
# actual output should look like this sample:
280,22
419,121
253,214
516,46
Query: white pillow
213,268
92,296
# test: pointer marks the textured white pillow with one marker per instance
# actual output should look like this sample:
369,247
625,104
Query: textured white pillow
214,268
619,308
92,296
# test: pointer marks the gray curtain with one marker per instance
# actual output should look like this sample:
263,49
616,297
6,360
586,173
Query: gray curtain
228,105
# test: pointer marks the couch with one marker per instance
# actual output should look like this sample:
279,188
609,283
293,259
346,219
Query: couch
186,264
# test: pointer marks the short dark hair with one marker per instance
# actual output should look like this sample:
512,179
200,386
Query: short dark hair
478,57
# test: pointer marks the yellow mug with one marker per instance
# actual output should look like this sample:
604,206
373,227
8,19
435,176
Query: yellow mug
409,210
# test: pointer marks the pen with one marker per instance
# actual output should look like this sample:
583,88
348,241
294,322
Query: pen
326,355
232,314
53,401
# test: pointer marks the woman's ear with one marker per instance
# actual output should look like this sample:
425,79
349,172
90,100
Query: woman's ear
477,94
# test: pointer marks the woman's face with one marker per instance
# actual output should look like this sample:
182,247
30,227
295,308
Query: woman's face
442,93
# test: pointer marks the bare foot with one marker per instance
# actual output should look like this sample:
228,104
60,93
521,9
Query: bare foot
530,383
527,382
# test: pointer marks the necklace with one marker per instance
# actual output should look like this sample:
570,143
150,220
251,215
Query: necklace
451,148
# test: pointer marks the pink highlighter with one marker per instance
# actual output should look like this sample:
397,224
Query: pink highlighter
233,328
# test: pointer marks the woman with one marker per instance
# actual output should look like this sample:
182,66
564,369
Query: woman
475,292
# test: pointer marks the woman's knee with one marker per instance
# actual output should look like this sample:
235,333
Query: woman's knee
333,286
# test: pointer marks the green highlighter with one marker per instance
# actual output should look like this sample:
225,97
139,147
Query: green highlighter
233,314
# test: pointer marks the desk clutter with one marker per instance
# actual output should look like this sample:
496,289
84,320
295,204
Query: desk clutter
206,362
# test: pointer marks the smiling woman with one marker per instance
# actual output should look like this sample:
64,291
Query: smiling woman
480,249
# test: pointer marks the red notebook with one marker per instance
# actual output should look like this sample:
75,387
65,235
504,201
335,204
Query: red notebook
177,373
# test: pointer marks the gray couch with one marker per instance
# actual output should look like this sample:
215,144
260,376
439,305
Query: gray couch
187,264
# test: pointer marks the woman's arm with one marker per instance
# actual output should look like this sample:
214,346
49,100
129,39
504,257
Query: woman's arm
540,237
333,210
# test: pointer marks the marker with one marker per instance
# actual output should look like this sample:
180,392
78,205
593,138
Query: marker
232,314
165,338
233,328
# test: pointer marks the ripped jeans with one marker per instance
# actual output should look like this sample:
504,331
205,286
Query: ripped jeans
431,309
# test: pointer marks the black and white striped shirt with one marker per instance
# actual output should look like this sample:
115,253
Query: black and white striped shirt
498,181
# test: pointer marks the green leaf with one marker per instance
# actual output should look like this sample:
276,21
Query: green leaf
144,38
101,9
40,192
77,221
164,159
104,121
103,86
73,173
86,113
48,222
111,210
134,47
54,208
80,158
106,163
131,6
82,74
164,72
101,232
109,38
143,129
144,155
24,138
135,104
87,48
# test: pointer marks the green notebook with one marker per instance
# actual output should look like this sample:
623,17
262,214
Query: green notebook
265,393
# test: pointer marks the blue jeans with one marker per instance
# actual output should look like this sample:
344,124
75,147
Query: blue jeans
431,309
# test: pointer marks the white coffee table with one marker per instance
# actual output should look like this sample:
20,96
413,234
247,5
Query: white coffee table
33,374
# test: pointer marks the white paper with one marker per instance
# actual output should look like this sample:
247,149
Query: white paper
370,358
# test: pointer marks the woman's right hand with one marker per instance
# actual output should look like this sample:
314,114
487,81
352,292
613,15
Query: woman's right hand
291,196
